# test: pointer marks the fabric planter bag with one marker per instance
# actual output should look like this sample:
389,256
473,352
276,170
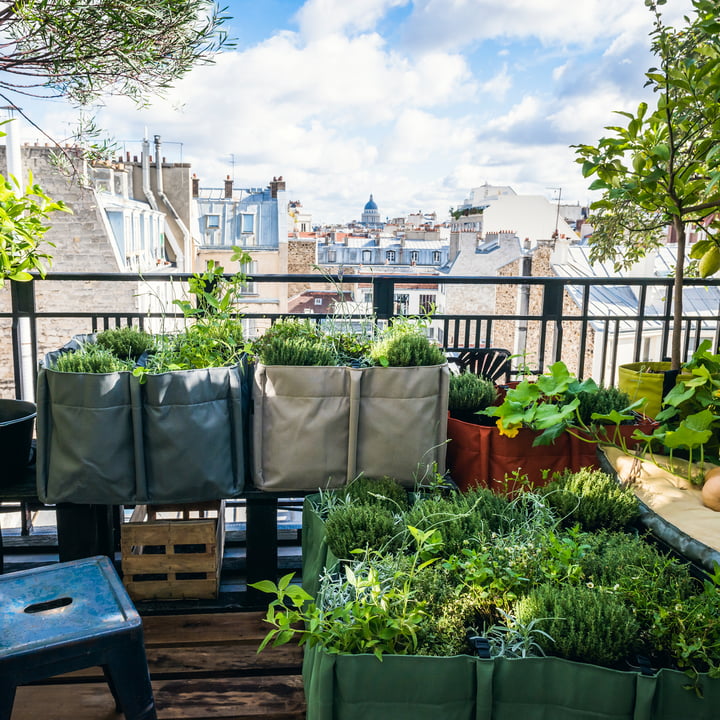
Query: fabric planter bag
320,427
407,687
316,555
480,455
402,425
649,380
301,426
108,439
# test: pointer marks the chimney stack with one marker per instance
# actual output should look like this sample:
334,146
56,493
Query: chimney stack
228,187
195,185
276,185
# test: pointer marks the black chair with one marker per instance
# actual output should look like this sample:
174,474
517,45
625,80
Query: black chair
490,363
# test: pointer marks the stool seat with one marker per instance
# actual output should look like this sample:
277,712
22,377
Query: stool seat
68,616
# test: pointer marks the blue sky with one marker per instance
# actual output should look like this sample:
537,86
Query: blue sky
415,101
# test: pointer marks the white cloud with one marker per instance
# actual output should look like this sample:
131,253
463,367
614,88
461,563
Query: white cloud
319,18
498,86
443,24
340,112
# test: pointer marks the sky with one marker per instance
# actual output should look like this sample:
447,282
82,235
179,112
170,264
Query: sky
414,101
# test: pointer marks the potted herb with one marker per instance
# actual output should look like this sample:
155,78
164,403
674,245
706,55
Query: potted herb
533,612
125,417
327,409
468,394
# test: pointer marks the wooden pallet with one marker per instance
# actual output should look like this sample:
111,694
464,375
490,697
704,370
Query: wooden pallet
176,557
202,666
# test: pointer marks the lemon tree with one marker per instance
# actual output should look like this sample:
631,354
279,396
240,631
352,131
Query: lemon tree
662,166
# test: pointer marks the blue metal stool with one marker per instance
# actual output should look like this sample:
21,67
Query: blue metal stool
68,616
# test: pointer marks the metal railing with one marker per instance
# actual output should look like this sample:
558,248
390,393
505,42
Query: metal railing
593,324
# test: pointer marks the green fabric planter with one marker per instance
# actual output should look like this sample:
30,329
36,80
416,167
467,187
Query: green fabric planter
357,687
316,555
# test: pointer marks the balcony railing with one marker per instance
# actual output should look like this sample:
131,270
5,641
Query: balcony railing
593,324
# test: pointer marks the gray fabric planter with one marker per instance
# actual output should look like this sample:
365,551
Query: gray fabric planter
320,427
107,439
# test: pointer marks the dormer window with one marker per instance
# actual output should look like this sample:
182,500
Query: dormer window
212,221
390,256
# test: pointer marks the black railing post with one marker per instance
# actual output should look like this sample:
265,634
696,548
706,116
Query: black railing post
383,296
552,314
22,298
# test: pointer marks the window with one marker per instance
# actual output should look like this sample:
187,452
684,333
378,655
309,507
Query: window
402,304
414,256
368,298
367,256
427,303
332,256
247,222
212,221
436,256
390,256
318,301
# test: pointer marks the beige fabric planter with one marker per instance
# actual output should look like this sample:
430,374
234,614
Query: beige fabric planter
319,427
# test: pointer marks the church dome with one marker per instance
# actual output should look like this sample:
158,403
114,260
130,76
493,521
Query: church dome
370,204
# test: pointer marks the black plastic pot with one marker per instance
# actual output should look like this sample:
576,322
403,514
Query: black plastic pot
17,418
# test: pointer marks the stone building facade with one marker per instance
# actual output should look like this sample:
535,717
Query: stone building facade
510,300
111,228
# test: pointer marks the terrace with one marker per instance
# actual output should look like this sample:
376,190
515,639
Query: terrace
201,652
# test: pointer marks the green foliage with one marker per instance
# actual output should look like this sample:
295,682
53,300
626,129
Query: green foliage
637,570
405,344
470,392
662,167
381,491
90,358
592,499
586,624
601,402
460,519
359,527
690,418
509,568
380,613
297,351
23,224
126,342
206,344
294,342
549,404
81,50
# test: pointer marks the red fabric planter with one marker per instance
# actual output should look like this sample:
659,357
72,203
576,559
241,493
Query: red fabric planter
480,455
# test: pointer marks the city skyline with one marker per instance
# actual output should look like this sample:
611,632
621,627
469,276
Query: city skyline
414,102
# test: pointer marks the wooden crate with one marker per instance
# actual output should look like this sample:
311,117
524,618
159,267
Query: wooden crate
173,558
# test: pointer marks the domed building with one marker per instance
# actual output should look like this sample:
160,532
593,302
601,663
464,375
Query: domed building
371,214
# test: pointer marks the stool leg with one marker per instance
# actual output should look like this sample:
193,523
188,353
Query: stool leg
7,699
129,682
111,685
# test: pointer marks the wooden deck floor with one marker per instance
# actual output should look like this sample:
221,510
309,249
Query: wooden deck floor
201,665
